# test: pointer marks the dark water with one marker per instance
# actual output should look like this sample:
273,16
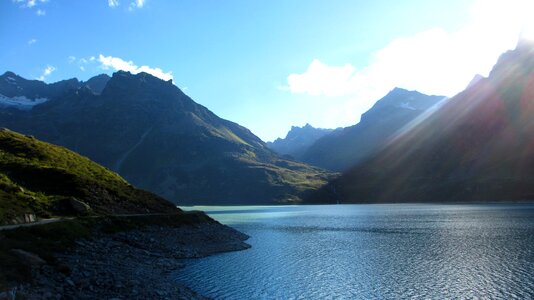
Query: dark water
372,252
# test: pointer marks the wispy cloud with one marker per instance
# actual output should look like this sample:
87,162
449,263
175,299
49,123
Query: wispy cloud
29,3
46,72
32,41
116,63
40,12
113,3
434,61
133,4
82,63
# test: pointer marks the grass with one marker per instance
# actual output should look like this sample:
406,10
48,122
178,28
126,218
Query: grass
40,178
295,180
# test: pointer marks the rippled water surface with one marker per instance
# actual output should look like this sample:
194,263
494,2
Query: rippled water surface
372,251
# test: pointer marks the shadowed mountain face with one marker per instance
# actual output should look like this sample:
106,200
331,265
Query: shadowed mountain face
479,146
298,140
159,139
346,147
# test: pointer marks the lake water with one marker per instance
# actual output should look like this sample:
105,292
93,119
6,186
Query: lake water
372,252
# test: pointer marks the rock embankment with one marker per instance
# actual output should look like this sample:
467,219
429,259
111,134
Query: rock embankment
134,264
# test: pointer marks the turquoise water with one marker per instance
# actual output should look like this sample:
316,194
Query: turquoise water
404,251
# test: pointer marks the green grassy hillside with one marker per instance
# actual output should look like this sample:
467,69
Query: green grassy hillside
43,179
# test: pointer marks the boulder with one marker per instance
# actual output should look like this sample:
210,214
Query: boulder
79,206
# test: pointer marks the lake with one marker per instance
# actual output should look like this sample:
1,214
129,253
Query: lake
395,251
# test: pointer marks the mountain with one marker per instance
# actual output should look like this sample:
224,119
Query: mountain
297,140
477,147
14,87
346,147
97,83
158,138
41,179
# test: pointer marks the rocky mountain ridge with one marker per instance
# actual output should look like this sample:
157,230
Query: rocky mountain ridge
298,140
346,147
158,138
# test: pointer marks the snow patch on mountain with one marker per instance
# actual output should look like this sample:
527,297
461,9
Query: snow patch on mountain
21,102
11,80
407,105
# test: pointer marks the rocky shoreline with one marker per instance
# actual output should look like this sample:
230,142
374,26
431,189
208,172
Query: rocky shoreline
135,264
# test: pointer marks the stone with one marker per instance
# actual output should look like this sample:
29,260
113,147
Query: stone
28,258
29,218
7,296
79,206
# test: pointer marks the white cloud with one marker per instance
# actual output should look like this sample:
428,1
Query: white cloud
71,59
82,68
117,63
434,61
32,41
321,79
40,12
46,72
113,3
139,3
136,4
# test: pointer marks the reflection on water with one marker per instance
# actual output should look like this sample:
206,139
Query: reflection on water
372,251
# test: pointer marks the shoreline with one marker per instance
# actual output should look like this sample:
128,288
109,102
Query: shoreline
133,264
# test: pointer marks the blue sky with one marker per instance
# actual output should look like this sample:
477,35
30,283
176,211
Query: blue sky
266,65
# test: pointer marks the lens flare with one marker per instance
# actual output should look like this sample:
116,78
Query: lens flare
527,32
527,28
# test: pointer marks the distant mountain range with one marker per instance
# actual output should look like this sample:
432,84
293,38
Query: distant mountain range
156,137
345,147
479,146
298,140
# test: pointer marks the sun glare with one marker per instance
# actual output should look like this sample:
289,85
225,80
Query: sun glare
527,32
527,22
508,16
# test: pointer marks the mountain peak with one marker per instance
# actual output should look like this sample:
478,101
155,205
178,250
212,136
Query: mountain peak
103,75
9,73
97,83
399,90
298,139
402,98
141,79
520,61
475,80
